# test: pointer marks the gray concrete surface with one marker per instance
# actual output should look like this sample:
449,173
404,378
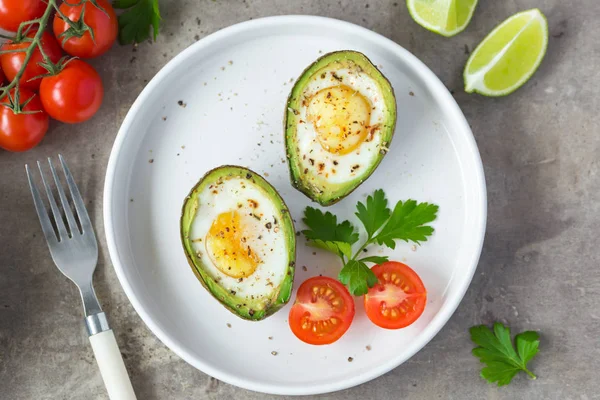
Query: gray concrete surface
539,268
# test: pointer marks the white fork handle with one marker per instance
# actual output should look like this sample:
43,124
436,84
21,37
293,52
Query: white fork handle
111,366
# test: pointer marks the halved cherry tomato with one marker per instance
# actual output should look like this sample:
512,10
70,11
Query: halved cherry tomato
74,94
12,62
104,24
323,311
13,12
398,299
20,132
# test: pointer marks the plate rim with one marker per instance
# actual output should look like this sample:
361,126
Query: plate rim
449,107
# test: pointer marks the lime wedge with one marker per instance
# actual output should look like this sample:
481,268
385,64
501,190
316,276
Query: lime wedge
508,56
446,17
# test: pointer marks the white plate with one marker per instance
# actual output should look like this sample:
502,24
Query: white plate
234,85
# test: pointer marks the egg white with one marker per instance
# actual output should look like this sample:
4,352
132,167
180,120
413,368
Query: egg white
270,248
307,138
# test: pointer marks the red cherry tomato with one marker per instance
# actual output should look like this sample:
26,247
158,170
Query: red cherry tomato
323,311
398,298
74,94
104,24
13,12
12,62
20,132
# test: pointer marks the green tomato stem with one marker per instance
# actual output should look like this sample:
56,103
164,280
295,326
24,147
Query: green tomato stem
27,27
65,18
12,51
43,53
35,43
27,30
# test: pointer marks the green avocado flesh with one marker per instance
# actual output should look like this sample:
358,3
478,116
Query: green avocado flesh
276,218
317,183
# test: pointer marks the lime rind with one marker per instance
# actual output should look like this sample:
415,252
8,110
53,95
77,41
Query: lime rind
475,82
435,28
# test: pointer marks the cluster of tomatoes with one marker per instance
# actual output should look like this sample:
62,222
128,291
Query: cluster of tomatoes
324,309
68,89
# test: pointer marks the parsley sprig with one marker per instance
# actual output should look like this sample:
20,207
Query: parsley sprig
138,19
497,352
407,221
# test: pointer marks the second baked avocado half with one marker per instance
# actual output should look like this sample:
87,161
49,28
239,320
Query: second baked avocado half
339,122
239,239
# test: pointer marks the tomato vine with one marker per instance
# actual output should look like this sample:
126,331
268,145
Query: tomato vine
35,43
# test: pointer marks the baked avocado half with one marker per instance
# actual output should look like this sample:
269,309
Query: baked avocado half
239,239
339,122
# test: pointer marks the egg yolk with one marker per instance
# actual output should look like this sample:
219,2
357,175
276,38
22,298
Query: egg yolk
227,248
341,118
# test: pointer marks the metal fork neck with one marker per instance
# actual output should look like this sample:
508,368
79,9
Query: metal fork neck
95,319
90,301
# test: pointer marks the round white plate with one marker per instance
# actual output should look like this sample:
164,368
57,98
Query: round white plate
221,101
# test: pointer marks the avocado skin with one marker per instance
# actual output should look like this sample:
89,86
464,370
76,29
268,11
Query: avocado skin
244,308
327,195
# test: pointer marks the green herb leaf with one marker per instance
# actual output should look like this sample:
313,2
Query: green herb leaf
358,277
497,352
375,213
375,259
340,248
527,345
324,226
407,223
136,22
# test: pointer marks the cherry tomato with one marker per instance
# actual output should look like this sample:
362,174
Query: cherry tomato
74,94
1,77
20,132
323,311
13,12
398,298
12,62
104,24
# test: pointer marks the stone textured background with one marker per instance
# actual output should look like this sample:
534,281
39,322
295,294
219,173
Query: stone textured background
539,267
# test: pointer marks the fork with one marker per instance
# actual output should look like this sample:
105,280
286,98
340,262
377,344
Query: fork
75,252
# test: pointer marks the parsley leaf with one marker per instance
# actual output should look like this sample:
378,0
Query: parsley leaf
375,213
497,351
375,259
358,277
340,248
136,21
407,223
325,227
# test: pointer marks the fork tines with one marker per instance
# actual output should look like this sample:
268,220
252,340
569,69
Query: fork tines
53,224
